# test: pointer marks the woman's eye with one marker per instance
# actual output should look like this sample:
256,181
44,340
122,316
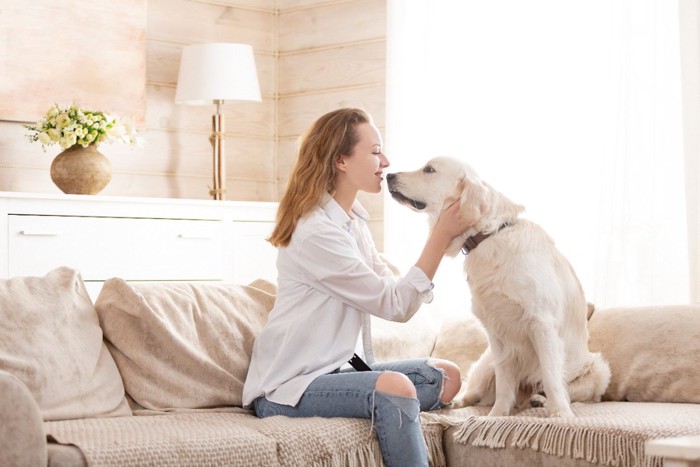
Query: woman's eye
428,169
377,153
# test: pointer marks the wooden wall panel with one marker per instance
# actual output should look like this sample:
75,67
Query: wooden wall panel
332,68
188,22
190,187
192,153
296,113
16,150
265,5
330,24
49,54
163,61
27,179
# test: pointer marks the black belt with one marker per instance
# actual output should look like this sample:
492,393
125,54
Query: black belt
358,364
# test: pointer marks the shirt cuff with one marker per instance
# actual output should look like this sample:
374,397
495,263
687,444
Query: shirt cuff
417,278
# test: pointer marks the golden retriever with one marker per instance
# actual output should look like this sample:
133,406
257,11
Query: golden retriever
524,291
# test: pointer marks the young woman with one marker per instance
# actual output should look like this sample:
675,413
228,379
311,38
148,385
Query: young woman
330,279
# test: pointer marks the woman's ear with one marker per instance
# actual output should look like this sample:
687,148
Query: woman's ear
340,163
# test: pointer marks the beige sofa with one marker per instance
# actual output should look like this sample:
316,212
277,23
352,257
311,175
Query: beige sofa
152,374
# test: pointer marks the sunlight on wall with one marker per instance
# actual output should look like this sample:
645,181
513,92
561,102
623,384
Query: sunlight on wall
571,109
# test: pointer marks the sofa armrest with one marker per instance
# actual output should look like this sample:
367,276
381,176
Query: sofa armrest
22,439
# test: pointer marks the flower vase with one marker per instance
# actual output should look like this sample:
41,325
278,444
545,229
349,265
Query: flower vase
81,171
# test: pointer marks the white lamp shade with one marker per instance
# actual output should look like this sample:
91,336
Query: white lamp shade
218,71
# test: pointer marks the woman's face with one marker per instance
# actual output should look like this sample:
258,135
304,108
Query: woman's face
364,167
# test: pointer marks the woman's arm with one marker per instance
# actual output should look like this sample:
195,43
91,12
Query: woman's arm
450,224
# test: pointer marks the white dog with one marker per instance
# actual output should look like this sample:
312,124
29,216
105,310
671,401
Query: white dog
524,292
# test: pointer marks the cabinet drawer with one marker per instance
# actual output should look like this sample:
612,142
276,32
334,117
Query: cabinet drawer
133,249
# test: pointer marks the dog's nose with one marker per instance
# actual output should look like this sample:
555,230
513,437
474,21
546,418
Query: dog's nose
390,177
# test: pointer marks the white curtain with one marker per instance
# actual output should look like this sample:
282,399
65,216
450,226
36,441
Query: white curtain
572,109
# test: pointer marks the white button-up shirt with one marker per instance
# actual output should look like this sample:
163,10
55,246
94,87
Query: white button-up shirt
329,277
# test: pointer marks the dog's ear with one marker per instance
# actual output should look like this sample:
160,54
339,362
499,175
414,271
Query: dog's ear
502,206
460,187
473,196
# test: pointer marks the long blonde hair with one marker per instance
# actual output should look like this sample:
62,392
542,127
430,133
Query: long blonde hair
331,136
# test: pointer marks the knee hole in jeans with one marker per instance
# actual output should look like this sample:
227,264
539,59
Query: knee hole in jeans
453,378
398,384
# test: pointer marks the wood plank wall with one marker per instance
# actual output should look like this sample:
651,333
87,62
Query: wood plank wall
312,56
331,54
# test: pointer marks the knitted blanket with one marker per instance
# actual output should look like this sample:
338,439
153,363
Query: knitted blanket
232,439
607,433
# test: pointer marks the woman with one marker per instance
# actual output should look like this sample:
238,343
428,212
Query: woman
330,279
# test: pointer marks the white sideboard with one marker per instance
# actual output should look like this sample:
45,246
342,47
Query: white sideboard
136,239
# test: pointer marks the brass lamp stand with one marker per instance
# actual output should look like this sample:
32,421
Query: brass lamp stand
214,73
218,190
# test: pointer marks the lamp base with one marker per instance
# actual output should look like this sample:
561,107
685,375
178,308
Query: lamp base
218,191
218,194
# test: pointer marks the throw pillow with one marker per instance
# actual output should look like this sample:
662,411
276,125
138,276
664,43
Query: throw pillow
183,345
50,339
652,352
462,341
390,341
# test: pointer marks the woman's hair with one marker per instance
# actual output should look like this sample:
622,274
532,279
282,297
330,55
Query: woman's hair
331,136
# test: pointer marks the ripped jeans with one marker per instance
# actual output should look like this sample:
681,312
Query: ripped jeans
351,394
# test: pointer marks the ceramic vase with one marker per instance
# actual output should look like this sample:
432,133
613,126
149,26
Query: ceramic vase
82,171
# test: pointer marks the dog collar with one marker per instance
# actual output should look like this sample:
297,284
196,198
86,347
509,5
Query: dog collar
473,241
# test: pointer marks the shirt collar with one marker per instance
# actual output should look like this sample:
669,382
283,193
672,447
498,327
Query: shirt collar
360,211
335,213
338,215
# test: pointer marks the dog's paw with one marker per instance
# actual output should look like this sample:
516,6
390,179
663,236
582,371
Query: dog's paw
563,412
467,399
496,412
537,400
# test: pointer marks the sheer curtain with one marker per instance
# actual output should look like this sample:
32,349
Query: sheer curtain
572,109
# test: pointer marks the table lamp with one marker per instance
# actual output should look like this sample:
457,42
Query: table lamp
212,74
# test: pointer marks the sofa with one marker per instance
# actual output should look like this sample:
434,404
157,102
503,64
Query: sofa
152,374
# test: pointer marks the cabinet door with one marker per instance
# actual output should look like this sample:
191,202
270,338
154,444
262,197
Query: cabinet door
132,249
253,256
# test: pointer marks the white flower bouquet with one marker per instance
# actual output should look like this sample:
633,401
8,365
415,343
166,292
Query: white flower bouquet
73,125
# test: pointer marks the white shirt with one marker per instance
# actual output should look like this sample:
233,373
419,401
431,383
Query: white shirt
329,277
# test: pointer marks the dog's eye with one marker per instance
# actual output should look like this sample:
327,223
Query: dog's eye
428,169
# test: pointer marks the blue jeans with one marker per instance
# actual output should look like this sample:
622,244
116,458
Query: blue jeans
352,394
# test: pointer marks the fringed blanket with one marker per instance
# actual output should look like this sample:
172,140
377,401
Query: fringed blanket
609,433
232,439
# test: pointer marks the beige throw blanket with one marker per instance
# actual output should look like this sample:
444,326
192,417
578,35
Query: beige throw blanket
608,433
234,439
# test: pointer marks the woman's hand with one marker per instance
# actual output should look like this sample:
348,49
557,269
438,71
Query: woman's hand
452,221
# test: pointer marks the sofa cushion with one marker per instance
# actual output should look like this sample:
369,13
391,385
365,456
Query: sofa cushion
462,341
50,339
183,345
232,438
398,341
652,352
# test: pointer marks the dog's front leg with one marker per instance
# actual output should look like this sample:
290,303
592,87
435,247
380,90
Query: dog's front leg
506,381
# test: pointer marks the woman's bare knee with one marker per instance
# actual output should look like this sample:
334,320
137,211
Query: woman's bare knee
393,382
453,379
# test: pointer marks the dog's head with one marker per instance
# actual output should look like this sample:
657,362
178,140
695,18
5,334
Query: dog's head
444,180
